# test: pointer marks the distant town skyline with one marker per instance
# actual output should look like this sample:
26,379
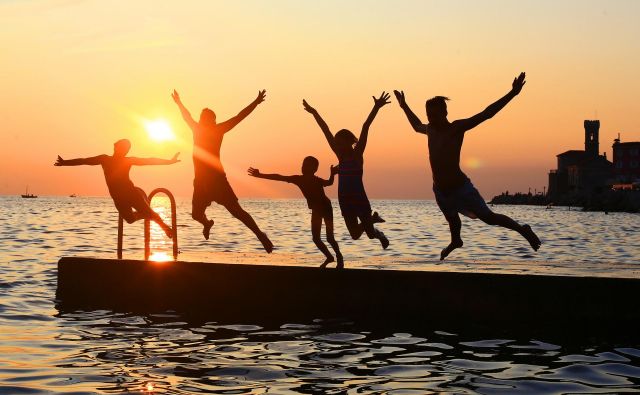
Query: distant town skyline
77,76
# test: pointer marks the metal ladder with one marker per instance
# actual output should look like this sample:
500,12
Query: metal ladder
147,226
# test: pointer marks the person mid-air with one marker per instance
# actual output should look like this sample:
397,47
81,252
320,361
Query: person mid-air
210,182
453,190
312,188
125,195
353,200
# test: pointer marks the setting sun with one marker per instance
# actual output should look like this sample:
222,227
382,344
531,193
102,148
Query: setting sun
159,130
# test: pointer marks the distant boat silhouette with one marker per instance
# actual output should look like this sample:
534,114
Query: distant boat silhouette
28,195
73,195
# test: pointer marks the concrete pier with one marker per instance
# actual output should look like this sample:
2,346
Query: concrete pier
249,293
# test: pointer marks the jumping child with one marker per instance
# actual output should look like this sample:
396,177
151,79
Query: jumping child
453,189
354,203
125,195
312,188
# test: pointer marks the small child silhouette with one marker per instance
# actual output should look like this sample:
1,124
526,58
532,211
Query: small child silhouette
125,195
312,188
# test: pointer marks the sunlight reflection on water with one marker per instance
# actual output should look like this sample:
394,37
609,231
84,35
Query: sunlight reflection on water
45,351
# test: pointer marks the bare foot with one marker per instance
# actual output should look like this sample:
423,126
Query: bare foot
207,229
531,237
327,261
340,264
375,217
383,240
452,246
266,243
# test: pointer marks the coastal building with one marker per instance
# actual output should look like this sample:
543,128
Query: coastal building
581,172
626,162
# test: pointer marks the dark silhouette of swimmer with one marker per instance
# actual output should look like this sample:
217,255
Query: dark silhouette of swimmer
125,195
210,182
454,191
353,200
312,188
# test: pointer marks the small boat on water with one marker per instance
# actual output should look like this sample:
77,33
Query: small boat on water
28,195
73,195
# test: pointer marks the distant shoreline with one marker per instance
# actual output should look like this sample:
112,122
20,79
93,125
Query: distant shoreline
605,201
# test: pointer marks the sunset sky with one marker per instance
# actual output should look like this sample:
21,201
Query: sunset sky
78,75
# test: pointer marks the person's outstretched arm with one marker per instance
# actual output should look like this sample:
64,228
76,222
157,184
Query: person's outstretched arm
323,125
92,161
276,177
364,135
494,108
153,161
230,123
333,170
415,122
186,115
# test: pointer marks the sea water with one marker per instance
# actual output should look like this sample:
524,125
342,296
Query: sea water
43,350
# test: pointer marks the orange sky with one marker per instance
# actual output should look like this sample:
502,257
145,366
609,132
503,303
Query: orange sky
78,75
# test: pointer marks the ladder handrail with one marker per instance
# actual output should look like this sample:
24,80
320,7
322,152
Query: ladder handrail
147,226
174,228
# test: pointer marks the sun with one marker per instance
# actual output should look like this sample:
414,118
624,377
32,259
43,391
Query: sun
159,130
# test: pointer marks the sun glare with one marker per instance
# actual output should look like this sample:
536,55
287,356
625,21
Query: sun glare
159,130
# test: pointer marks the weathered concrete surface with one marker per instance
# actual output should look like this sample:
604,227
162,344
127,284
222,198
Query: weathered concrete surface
251,293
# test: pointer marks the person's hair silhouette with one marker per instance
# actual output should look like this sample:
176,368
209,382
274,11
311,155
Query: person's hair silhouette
312,188
210,182
453,189
353,200
125,195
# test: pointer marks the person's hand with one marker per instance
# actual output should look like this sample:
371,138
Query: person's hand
175,96
261,96
333,170
400,97
175,158
307,107
253,172
59,161
518,83
382,100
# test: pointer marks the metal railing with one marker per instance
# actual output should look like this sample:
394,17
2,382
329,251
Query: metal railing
147,226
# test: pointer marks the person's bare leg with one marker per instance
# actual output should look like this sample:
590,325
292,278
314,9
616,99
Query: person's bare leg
198,213
372,232
144,210
328,221
507,222
157,219
244,217
355,229
455,225
316,227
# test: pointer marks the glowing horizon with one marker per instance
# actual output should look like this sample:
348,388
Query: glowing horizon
73,92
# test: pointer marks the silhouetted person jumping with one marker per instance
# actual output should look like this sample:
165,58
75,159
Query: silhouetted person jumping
312,188
210,182
354,203
453,189
125,195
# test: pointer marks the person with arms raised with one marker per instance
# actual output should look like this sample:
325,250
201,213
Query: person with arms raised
210,182
353,200
453,189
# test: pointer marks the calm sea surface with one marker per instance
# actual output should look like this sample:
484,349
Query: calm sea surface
45,351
